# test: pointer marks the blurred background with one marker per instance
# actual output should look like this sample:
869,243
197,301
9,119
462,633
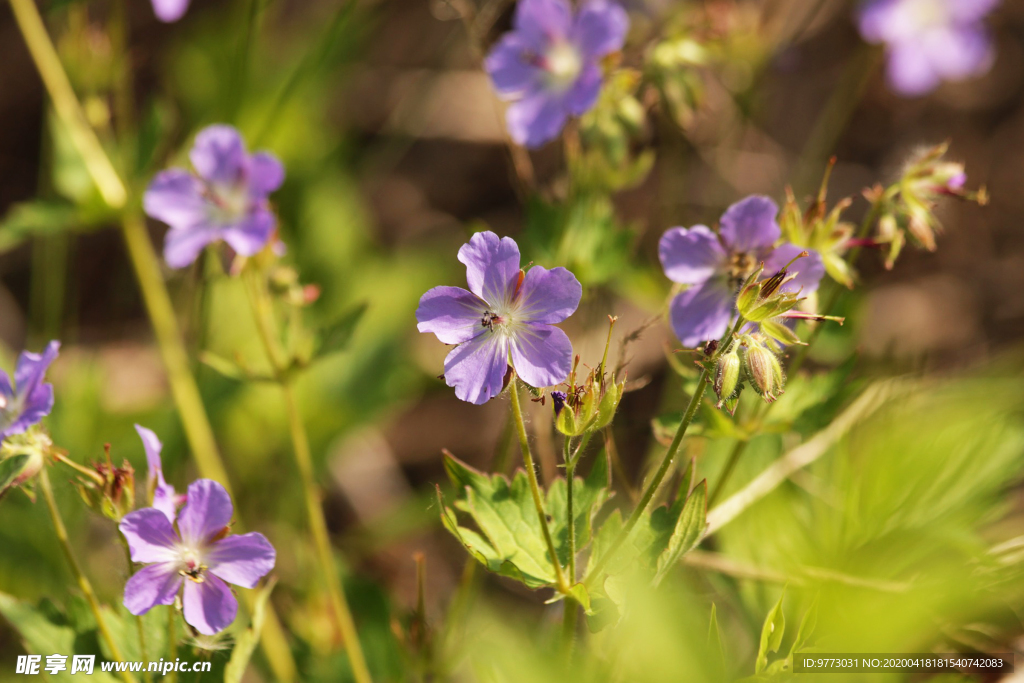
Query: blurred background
395,151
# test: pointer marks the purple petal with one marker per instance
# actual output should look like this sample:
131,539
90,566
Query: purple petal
536,119
452,313
878,20
251,234
150,536
6,390
477,368
176,198
164,496
808,271
218,154
509,67
549,296
749,224
691,256
206,513
241,560
970,10
154,585
169,10
492,266
600,28
31,368
959,52
909,71
541,22
182,247
584,92
210,606
701,313
266,173
541,355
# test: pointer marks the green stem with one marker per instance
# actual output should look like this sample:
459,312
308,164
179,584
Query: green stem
570,473
172,643
531,475
83,583
569,620
263,313
139,626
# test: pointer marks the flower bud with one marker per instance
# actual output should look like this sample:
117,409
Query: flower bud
107,489
727,376
764,372
22,456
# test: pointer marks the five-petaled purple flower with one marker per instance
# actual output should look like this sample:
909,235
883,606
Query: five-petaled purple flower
929,41
506,317
549,63
28,399
170,10
226,201
715,265
198,554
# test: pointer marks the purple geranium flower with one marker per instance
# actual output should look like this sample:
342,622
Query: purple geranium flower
715,265
506,317
549,63
170,10
28,400
164,497
929,41
198,554
227,200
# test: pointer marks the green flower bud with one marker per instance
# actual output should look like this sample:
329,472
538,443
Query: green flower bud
764,372
727,376
107,489
22,456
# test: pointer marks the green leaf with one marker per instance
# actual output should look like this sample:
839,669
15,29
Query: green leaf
715,646
10,468
771,635
247,641
336,336
689,529
35,218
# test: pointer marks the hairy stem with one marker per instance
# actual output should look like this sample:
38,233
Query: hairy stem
83,583
570,473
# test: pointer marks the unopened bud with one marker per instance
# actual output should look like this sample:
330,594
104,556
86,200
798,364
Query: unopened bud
727,375
764,372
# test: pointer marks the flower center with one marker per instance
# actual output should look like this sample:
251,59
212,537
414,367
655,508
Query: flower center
191,566
230,202
741,265
563,63
925,14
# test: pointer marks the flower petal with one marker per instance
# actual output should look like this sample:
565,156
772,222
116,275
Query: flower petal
218,154
266,173
251,234
959,52
909,71
154,585
492,266
537,118
583,94
548,296
176,198
702,312
241,560
477,368
509,68
452,313
541,22
164,496
182,247
169,10
808,271
150,536
206,513
541,355
31,368
210,606
749,224
600,28
691,256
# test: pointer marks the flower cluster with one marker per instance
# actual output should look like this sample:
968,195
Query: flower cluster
226,199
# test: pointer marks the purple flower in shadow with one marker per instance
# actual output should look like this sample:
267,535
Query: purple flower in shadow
549,64
197,554
929,41
170,10
715,265
225,200
28,399
163,496
506,316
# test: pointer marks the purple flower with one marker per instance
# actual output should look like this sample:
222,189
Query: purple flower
715,265
170,10
28,400
227,200
163,496
506,317
929,41
197,554
549,64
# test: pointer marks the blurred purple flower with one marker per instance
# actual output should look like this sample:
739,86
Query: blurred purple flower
164,497
549,63
929,41
506,317
170,10
227,200
715,265
27,400
198,554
